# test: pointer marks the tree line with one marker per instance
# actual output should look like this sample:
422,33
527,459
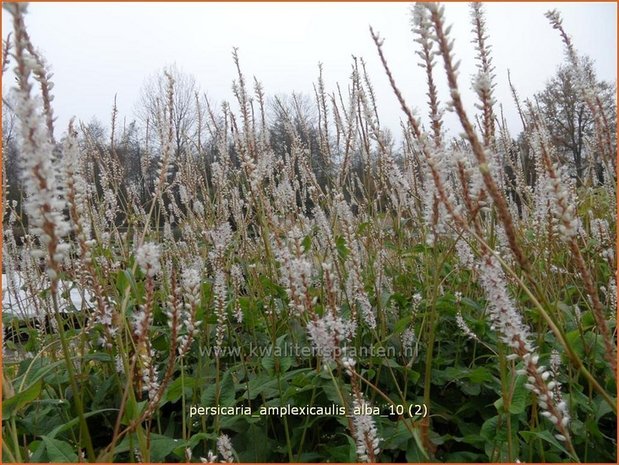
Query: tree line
133,149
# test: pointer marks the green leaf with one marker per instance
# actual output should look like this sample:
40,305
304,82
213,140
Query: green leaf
133,410
99,357
420,448
471,303
480,375
307,243
124,280
37,449
272,288
413,375
175,389
332,392
263,385
340,245
13,404
39,368
363,227
544,436
519,397
161,446
390,363
257,445
196,438
402,324
494,431
226,395
414,454
602,410
277,363
464,457
75,421
345,453
59,451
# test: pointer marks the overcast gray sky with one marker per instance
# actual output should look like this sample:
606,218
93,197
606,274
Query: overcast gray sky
100,49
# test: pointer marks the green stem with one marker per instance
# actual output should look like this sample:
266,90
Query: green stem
307,418
76,392
10,455
15,440
285,418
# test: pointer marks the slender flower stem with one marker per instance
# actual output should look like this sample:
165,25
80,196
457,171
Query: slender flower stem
77,393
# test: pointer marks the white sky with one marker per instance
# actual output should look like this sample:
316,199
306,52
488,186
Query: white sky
99,49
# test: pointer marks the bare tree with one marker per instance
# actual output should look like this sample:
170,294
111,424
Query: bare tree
186,115
570,121
293,116
10,172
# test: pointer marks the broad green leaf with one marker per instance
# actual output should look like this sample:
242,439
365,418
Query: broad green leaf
480,375
402,324
224,397
345,453
99,356
37,448
307,243
340,245
133,410
494,431
546,436
124,280
419,443
15,403
59,451
519,397
390,363
75,422
175,389
161,447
